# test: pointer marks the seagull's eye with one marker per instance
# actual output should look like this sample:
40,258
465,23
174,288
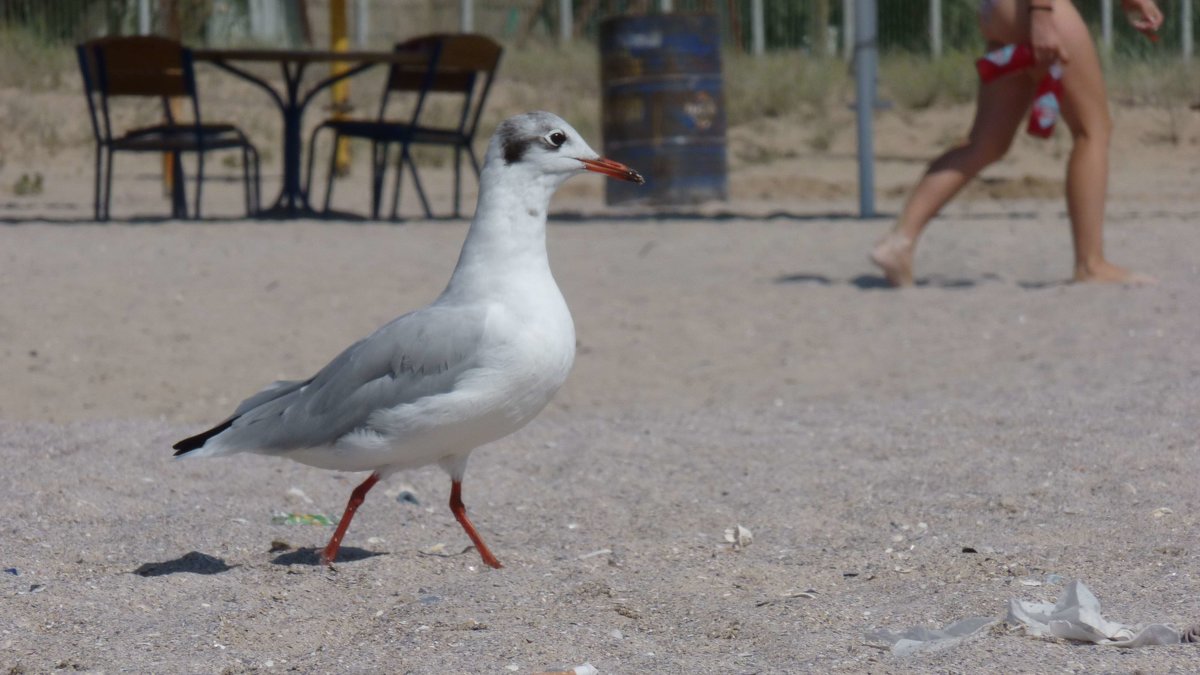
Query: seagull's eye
556,138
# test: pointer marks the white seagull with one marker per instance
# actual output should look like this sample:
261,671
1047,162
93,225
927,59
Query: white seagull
475,366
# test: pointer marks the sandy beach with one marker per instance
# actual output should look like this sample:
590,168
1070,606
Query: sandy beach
902,458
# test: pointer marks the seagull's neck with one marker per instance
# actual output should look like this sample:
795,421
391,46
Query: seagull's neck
507,239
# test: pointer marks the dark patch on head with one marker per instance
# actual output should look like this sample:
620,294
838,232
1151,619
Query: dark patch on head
513,145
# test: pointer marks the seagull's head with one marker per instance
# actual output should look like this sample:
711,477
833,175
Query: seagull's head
542,144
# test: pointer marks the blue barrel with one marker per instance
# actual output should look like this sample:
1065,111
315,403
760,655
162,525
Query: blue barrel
663,107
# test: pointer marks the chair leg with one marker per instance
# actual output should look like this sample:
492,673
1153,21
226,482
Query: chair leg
98,181
257,180
246,179
199,180
474,160
253,197
457,179
379,157
178,191
417,182
329,176
108,164
397,184
308,173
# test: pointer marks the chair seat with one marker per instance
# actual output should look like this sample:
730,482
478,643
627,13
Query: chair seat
378,130
183,138
442,136
387,130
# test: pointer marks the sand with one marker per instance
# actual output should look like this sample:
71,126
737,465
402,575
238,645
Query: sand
902,458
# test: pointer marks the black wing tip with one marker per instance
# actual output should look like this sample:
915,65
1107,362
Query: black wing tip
193,442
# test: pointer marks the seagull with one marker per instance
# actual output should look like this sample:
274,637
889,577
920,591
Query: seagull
473,367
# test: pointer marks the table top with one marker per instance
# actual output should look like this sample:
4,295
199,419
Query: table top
307,55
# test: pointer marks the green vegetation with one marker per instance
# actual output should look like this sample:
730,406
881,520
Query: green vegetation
1160,81
780,83
918,82
32,64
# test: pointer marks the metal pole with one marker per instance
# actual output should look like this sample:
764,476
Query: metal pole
848,29
935,27
1106,24
339,93
666,6
362,22
565,21
466,16
757,29
1185,17
143,17
866,65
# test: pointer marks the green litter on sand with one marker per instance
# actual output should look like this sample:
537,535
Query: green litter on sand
281,518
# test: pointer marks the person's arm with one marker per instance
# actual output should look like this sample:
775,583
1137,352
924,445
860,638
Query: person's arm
1047,48
1144,15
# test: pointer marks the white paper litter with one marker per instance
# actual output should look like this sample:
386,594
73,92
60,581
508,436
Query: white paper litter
585,669
920,640
1076,616
739,536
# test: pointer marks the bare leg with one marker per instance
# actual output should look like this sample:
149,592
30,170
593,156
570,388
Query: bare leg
1085,110
999,110
460,514
356,500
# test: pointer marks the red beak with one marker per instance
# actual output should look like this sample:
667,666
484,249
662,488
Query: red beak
613,169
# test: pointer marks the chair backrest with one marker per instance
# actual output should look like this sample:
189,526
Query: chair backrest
465,65
468,63
146,66
415,78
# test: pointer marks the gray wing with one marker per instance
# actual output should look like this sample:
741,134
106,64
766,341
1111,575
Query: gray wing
420,354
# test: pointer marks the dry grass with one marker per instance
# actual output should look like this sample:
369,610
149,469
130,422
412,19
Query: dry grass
918,82
29,64
1159,82
565,80
780,84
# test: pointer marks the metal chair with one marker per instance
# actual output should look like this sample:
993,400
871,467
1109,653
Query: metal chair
403,78
154,67
460,65
467,68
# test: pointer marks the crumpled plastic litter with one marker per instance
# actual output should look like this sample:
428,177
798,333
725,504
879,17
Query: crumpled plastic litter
919,640
1076,616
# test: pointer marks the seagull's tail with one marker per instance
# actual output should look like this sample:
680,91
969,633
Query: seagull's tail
193,443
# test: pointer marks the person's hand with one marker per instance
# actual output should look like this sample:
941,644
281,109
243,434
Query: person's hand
1144,16
1043,35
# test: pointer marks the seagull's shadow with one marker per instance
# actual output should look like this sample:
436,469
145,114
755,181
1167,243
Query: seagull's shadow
194,563
312,556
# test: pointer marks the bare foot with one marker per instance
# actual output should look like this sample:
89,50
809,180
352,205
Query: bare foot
894,255
1106,272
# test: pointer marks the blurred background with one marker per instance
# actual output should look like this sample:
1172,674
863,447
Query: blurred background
816,27
787,71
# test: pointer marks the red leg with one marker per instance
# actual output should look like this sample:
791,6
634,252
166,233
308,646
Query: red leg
460,514
356,499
